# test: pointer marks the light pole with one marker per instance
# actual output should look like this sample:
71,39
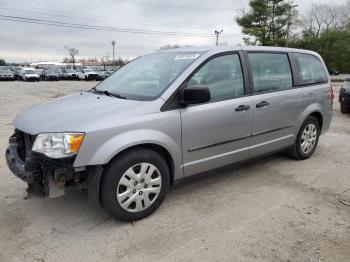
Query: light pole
289,22
217,33
113,44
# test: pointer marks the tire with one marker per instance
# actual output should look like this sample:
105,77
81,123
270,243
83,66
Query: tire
129,199
300,152
344,109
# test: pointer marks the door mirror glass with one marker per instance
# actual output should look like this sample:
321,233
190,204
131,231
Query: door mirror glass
195,94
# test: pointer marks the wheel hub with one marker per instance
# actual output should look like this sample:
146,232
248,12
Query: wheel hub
308,138
139,187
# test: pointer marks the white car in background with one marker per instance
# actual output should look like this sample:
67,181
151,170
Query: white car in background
29,74
87,74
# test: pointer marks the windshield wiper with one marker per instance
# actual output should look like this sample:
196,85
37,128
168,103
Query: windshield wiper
107,93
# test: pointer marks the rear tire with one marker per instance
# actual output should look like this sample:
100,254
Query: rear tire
306,140
134,184
344,109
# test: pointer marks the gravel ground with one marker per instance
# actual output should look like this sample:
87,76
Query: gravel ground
273,209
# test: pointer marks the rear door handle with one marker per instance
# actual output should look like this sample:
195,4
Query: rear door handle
242,108
262,104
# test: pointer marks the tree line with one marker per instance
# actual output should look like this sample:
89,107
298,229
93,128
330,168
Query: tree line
324,28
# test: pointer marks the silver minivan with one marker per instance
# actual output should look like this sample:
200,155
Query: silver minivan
170,115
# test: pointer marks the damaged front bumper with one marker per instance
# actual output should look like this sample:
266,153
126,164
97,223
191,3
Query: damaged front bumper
45,176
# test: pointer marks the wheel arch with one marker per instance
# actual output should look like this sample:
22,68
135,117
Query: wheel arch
318,115
314,110
162,151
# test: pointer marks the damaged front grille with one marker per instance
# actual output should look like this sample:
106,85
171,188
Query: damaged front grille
25,143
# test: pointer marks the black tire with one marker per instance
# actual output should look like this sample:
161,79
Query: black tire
296,151
115,171
344,109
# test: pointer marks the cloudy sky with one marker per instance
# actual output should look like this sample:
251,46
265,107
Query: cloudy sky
192,22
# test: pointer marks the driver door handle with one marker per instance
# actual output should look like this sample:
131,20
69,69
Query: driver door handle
242,108
262,104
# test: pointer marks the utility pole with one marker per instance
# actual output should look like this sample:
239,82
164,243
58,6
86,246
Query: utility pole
289,22
113,44
217,33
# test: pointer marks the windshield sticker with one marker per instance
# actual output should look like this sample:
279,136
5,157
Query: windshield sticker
182,57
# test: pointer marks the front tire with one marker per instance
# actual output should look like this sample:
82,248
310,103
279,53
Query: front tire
134,184
306,140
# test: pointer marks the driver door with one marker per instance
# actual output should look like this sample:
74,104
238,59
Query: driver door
218,132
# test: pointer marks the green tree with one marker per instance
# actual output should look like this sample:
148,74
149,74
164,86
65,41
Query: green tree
333,46
2,62
266,21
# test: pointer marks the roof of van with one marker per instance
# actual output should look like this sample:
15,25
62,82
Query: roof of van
236,48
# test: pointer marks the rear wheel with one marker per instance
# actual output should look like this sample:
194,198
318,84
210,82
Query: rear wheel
134,184
306,140
344,109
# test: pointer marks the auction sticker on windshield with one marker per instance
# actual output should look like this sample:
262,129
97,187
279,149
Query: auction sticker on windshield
191,56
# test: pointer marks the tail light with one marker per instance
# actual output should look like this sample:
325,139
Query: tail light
332,97
332,93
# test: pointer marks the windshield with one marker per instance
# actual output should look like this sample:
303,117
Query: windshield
30,72
87,70
145,78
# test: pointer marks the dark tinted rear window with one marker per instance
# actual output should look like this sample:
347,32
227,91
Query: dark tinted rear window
310,69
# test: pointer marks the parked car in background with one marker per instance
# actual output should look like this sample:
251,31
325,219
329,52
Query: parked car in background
333,72
87,74
104,74
171,115
344,96
59,72
29,74
16,71
70,74
7,75
49,75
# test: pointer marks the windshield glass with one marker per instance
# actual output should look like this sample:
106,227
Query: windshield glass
145,78
30,72
87,70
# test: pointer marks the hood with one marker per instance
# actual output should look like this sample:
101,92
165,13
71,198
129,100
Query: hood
31,75
77,113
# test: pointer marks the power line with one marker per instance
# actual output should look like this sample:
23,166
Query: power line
64,13
102,28
77,16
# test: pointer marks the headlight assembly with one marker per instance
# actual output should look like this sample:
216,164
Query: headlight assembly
58,145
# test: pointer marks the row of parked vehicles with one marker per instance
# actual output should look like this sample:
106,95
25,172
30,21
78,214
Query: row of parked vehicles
51,74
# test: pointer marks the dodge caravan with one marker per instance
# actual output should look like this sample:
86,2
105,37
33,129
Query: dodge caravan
169,115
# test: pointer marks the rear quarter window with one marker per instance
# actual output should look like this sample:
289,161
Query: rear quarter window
310,70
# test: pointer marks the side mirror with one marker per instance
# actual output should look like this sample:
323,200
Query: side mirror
196,94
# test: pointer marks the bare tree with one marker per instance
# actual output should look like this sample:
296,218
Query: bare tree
323,18
73,52
104,60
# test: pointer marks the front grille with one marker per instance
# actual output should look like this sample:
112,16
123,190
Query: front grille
25,143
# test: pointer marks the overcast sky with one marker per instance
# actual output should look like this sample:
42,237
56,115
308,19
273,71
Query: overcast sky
21,42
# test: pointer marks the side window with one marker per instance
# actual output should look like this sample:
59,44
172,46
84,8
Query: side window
223,76
310,69
271,72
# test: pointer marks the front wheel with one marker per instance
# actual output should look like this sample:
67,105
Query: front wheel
306,140
134,184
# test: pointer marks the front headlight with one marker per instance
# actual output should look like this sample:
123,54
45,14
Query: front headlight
58,145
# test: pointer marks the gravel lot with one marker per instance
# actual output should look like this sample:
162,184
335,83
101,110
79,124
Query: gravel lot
273,209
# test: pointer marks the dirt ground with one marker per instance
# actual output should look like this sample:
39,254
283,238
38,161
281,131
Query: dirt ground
273,209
